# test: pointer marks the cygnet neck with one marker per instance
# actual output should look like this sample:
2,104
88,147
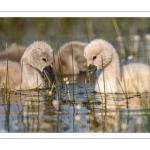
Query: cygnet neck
110,76
31,78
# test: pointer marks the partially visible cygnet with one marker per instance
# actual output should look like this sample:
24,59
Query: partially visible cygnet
70,59
14,53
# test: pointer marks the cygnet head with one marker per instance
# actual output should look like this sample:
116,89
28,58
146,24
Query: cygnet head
39,56
98,54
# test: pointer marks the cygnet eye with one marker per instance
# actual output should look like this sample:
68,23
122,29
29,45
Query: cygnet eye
94,57
44,59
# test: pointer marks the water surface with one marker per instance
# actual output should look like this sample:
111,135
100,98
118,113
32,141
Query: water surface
74,109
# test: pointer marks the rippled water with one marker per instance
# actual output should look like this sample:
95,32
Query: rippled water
75,108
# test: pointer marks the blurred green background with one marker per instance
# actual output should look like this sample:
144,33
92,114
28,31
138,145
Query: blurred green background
24,31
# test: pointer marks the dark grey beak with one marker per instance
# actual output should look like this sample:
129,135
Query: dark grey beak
90,72
49,73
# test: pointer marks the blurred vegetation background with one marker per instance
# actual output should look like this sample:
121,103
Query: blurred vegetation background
24,31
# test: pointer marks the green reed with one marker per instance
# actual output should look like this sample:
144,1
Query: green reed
71,49
62,24
56,87
7,71
59,64
90,29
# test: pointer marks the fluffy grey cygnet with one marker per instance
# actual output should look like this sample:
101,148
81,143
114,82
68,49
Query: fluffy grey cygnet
14,52
101,55
70,59
35,65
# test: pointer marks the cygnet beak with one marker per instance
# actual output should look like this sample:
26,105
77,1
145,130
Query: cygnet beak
49,73
90,72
